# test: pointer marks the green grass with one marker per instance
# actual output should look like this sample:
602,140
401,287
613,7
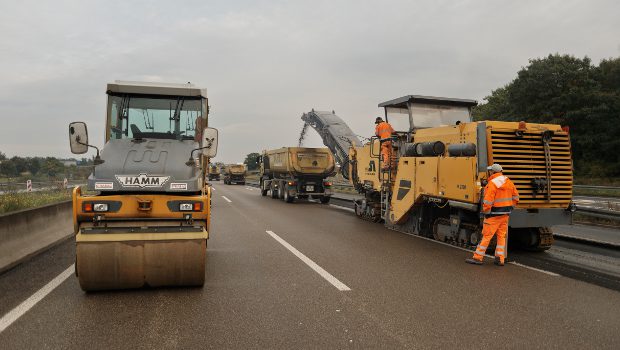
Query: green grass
13,201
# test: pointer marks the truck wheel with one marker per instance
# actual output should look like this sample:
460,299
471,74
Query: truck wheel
325,199
263,190
274,193
288,198
281,190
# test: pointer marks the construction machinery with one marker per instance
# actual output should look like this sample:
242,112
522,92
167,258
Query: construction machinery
145,219
214,173
297,172
434,182
234,174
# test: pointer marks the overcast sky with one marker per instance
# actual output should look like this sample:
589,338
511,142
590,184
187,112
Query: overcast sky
264,63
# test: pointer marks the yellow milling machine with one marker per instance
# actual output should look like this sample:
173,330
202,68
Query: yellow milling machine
434,186
145,220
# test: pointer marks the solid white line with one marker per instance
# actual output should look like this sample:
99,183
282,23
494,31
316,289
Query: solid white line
326,275
535,269
22,308
228,200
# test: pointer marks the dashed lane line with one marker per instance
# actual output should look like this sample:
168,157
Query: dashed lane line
226,198
326,275
22,308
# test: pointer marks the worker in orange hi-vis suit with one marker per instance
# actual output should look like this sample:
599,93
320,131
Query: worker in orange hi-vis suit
384,131
500,197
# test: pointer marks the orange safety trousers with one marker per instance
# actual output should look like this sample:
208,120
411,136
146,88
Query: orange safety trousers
494,225
386,154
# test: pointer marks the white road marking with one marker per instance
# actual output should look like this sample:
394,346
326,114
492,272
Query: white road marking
212,188
228,200
326,275
22,308
535,269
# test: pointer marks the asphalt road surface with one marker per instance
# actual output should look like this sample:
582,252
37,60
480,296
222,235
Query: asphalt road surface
307,275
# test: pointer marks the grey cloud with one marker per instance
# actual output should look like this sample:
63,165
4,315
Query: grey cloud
264,63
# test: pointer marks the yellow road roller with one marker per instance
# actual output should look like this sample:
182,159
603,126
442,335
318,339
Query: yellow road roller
144,218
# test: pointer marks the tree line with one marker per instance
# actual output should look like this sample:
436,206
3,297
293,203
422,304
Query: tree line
573,92
40,167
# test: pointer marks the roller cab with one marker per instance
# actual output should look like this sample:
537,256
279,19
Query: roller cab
143,219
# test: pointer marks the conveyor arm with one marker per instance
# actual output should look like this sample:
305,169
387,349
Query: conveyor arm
336,135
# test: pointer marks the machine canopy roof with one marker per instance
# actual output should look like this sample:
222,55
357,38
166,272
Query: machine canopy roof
148,88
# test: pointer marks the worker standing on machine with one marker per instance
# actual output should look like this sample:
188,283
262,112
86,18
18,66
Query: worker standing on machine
500,197
384,131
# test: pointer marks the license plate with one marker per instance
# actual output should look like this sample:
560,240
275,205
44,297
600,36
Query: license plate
310,188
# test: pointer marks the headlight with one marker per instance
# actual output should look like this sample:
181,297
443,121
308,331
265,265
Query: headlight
186,207
100,207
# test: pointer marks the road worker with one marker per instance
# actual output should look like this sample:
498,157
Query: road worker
500,197
384,131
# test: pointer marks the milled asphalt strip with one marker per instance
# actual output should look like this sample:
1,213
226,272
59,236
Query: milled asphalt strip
226,198
326,275
22,308
461,248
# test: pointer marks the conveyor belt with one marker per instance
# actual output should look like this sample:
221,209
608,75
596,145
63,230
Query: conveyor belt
336,135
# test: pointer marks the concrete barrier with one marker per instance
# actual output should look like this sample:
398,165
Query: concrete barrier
26,233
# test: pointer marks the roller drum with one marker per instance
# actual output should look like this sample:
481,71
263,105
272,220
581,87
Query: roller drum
135,264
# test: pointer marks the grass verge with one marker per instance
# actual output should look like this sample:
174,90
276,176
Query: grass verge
14,201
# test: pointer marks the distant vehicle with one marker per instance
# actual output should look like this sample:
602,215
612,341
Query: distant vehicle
290,173
214,173
148,223
234,174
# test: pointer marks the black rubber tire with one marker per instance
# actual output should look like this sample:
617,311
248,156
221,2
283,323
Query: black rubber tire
274,193
263,191
288,198
325,199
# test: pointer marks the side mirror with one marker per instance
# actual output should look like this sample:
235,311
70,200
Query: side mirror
209,137
78,137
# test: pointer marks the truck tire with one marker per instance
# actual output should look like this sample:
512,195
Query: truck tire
325,199
281,190
263,190
288,198
274,192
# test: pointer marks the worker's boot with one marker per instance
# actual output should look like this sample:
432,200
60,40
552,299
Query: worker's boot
498,261
473,261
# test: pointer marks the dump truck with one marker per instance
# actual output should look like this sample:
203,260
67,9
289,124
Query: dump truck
234,174
434,183
296,172
214,173
144,219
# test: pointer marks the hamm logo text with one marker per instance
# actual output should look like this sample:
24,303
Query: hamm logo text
142,180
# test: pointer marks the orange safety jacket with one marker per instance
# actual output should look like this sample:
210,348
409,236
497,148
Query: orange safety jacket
500,196
384,130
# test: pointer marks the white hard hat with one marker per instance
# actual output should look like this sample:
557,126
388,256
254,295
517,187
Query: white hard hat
496,168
